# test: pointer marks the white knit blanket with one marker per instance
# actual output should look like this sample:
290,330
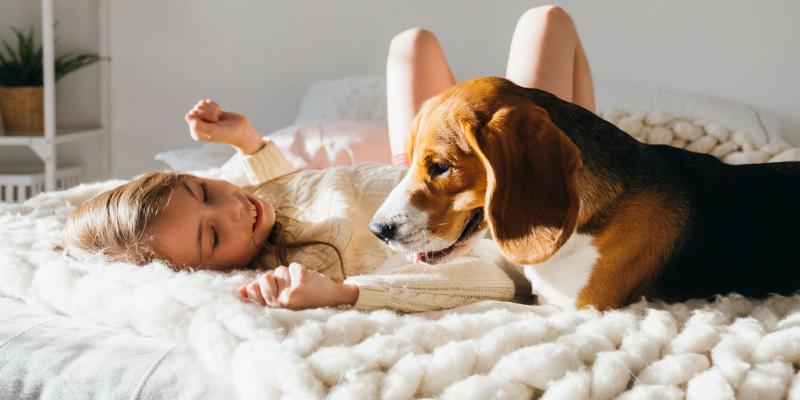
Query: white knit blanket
737,147
733,347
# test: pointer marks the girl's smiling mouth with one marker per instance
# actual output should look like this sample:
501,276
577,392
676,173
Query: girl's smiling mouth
258,211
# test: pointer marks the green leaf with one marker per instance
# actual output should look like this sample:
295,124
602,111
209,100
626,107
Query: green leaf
23,66
11,53
25,46
71,62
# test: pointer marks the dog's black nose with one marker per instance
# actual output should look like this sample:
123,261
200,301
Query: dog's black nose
384,231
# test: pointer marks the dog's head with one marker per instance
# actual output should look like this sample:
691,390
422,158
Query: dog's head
483,153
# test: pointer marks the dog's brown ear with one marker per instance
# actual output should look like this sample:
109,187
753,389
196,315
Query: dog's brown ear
531,196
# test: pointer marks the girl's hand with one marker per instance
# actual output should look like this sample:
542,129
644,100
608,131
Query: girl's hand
208,123
297,287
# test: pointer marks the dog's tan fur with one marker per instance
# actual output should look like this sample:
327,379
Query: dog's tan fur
510,158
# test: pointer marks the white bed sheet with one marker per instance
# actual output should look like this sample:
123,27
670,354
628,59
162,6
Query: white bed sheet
51,356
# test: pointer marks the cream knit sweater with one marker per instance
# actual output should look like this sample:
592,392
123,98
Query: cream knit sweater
335,205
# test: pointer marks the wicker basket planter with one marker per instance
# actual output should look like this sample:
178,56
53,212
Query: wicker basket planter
23,110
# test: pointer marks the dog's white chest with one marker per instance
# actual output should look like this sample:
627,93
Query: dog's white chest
559,279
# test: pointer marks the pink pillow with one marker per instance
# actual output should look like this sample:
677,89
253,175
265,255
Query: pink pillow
320,144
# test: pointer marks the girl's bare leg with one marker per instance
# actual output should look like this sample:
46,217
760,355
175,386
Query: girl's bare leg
416,70
546,53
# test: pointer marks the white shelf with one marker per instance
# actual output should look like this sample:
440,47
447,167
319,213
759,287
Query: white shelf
44,144
22,172
62,136
21,183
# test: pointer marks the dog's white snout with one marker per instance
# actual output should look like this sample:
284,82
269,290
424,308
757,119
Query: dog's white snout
397,220
383,230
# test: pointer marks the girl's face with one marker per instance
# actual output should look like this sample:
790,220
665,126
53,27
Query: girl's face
211,224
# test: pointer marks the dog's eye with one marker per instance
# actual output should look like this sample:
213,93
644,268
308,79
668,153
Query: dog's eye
436,169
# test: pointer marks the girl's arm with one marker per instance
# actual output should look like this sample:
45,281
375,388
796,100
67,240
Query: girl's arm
265,164
401,286
262,160
397,285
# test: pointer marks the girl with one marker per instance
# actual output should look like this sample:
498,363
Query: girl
315,221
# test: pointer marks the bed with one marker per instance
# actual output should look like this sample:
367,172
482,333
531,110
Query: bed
88,329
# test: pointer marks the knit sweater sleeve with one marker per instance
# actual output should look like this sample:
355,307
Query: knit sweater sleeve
420,287
265,164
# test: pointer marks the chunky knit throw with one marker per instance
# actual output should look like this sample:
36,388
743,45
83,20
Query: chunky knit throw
731,347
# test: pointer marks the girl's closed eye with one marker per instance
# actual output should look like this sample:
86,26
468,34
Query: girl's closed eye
214,233
204,187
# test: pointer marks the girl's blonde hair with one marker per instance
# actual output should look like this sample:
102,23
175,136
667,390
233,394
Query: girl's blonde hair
114,223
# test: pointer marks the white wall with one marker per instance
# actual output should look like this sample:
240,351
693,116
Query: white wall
258,56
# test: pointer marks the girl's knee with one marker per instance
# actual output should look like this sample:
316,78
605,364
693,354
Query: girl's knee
547,16
411,42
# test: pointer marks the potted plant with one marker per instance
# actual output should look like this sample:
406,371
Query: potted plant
21,75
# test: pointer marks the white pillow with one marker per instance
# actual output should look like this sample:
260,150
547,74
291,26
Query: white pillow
209,155
363,98
761,126
357,98
321,144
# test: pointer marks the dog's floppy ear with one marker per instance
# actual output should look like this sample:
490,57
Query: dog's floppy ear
531,196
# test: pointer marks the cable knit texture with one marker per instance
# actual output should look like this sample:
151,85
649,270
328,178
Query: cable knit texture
267,163
729,348
732,147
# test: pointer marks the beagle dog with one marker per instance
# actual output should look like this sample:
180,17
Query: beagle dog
594,217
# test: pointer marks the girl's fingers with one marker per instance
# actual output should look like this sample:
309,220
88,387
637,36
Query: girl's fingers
263,290
208,114
201,130
295,265
281,271
192,116
274,286
198,129
208,110
283,279
296,272
267,289
267,285
212,105
254,293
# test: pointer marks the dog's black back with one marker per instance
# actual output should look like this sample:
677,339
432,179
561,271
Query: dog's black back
742,228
